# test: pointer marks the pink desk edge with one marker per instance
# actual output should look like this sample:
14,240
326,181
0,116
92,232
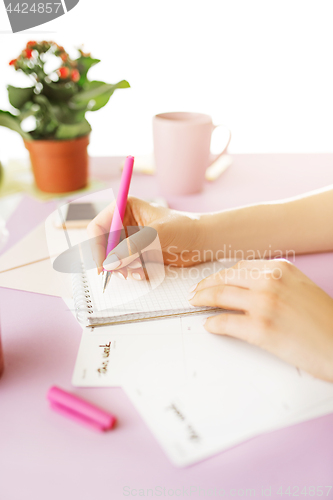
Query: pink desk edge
44,456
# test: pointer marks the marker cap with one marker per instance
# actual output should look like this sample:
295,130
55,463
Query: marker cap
80,410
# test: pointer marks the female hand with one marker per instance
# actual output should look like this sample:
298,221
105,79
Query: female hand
180,234
282,311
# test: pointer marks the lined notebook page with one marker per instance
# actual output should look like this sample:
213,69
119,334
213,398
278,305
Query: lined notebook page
148,297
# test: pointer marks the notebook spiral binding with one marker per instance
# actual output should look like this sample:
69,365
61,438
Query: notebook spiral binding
85,312
81,293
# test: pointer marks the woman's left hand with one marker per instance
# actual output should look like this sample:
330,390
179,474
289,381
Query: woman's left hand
282,311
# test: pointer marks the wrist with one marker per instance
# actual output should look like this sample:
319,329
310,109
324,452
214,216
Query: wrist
211,229
232,233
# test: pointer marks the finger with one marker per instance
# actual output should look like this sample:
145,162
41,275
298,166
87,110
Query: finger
234,325
212,280
137,274
122,274
231,276
135,264
120,257
129,249
102,221
223,296
263,264
262,270
136,269
98,230
98,246
245,274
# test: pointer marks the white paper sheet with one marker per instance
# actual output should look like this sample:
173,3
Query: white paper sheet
193,420
231,392
108,353
27,266
199,393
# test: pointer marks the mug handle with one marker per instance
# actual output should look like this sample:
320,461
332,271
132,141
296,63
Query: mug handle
215,157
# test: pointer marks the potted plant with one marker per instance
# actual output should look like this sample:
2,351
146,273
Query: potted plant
58,99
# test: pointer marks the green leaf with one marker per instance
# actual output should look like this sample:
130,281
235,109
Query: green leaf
46,119
84,65
10,121
64,114
71,131
45,104
96,95
59,91
29,109
19,96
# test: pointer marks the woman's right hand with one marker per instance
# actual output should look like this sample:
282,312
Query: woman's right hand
181,236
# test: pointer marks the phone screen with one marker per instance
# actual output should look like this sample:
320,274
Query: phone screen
81,211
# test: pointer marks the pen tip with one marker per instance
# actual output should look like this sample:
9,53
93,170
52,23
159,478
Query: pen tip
106,280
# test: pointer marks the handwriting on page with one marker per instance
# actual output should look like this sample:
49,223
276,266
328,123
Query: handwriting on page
105,355
192,434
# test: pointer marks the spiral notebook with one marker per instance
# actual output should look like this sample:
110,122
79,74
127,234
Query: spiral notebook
164,294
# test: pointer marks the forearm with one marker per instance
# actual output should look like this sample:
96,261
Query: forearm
301,225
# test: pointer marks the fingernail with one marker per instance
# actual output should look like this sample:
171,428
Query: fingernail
119,275
136,276
134,265
193,287
204,322
111,262
191,295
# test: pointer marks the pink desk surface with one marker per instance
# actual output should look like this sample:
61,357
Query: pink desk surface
45,456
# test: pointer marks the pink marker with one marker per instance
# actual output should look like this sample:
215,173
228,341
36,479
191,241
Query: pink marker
119,212
79,410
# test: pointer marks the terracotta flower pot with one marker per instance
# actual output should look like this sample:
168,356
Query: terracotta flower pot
59,166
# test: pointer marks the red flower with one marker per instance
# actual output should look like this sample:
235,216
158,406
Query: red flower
27,53
12,62
63,72
75,75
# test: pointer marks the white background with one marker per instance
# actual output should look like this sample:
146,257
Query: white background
263,67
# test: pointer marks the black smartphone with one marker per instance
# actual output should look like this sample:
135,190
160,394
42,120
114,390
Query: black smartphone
78,215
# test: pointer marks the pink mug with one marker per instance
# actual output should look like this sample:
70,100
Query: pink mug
182,151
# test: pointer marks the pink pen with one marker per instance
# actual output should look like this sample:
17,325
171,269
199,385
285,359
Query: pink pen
79,410
119,212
